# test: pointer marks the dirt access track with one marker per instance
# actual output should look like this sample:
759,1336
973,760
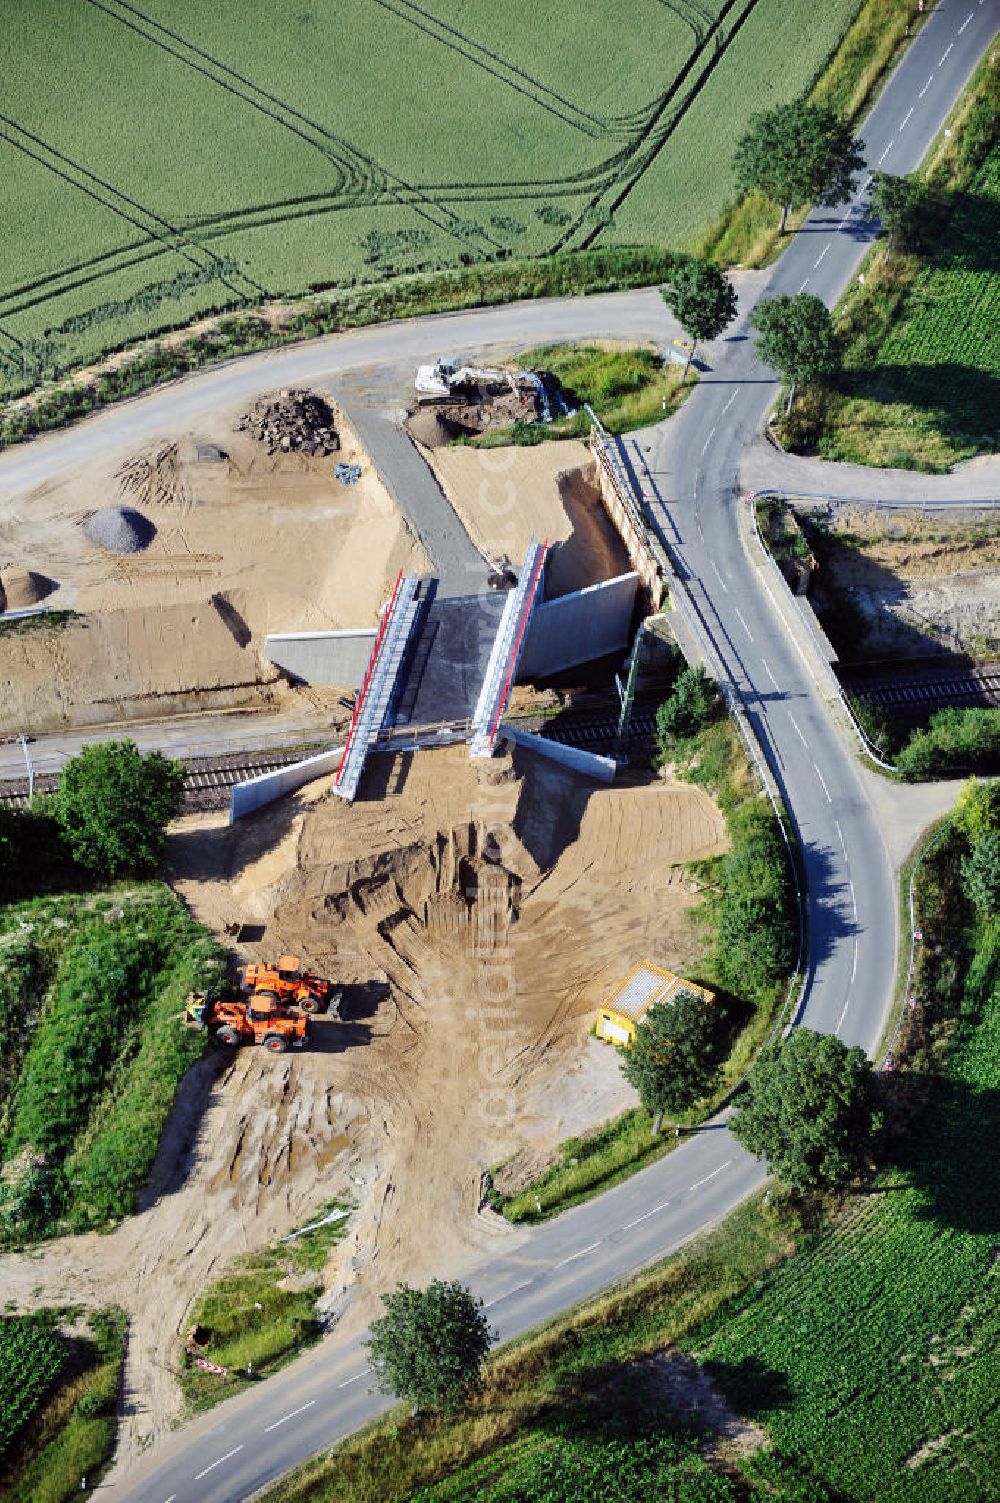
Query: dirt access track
245,543
478,913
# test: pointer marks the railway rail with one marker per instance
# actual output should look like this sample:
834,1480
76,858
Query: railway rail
977,687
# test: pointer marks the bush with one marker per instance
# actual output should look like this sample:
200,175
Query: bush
693,704
955,741
755,934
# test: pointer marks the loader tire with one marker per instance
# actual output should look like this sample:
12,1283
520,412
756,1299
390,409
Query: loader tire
276,1042
228,1036
309,1004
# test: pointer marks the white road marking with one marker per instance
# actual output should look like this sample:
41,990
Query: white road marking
729,404
798,733
709,438
516,1290
805,284
887,151
573,1256
822,254
284,1417
854,967
646,1217
966,22
841,834
902,123
926,86
774,681
865,185
823,781
743,623
356,1379
719,576
945,53
221,1459
171,1498
854,901
700,1182
843,1015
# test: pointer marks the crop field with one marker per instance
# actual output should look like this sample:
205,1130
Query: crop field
874,1354
31,1356
164,160
90,997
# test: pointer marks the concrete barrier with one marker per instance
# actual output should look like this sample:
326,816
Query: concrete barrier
589,763
322,657
256,792
579,627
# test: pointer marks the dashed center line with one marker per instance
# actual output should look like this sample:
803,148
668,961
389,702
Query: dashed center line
854,901
507,1294
945,53
774,681
798,732
926,86
698,1183
966,22
843,1015
709,438
854,964
729,404
356,1379
887,151
823,783
719,576
645,1217
822,254
573,1256
301,1410
902,123
841,834
805,284
743,623
221,1459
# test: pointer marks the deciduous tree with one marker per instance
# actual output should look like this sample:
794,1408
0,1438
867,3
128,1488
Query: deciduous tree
810,1109
430,1345
796,337
673,1061
898,203
702,299
113,806
797,154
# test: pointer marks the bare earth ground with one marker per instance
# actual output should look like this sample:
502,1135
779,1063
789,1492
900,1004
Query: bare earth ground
923,583
245,544
504,495
478,918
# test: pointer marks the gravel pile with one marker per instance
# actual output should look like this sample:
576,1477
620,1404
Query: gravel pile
120,529
294,420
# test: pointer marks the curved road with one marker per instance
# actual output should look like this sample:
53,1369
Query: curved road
693,464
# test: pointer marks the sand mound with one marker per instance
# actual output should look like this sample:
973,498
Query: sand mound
120,529
22,588
430,427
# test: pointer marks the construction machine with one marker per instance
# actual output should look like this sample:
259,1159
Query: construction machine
293,986
261,1019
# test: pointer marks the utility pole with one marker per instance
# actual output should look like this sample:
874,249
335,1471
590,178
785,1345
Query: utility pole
28,764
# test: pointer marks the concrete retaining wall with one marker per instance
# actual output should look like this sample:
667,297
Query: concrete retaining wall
256,792
580,627
322,657
589,763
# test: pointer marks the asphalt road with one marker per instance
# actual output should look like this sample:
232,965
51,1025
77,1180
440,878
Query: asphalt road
693,463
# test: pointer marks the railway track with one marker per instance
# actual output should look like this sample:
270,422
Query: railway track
207,781
978,687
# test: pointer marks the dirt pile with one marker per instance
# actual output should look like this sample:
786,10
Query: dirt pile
120,529
22,588
295,421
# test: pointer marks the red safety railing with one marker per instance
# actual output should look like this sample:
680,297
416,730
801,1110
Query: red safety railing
366,681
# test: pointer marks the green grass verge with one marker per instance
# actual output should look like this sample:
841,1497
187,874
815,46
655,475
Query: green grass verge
44,621
260,1313
921,382
71,1433
92,990
591,1163
628,389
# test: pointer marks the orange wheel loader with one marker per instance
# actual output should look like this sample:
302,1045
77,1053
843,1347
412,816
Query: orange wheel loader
261,1019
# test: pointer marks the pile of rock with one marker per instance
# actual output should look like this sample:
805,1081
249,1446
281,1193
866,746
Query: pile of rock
120,529
298,421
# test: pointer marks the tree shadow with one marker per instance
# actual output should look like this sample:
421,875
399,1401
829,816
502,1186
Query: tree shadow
752,1387
949,1129
962,400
